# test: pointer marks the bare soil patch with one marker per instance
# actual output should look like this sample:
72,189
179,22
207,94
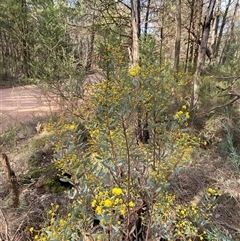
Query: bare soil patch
19,104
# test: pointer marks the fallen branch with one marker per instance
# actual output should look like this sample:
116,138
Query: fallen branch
237,97
12,180
228,103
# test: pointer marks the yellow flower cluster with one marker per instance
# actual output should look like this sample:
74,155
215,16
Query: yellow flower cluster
53,229
116,191
113,54
105,203
183,145
64,138
185,222
182,114
71,127
163,206
134,71
213,193
189,218
60,126
94,133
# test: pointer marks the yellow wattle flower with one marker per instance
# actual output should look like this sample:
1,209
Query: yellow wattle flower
116,191
134,71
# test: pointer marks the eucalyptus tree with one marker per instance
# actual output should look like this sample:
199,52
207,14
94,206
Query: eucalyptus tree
178,36
202,50
230,35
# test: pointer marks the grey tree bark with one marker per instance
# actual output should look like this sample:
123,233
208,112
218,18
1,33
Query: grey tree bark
214,32
178,36
147,18
135,31
189,41
219,37
228,41
202,52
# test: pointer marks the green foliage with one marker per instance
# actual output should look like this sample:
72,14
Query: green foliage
53,186
217,234
9,137
51,57
220,121
118,181
11,12
233,154
36,173
232,59
148,49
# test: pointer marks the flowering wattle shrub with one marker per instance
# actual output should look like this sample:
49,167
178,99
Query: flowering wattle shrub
121,186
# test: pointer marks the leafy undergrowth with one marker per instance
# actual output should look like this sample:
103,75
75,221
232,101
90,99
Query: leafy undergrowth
188,185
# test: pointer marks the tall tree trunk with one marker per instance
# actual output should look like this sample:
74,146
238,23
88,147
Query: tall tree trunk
226,46
161,58
147,18
197,29
189,41
7,63
135,31
223,23
91,48
91,43
214,31
202,51
142,116
3,57
161,33
178,36
25,47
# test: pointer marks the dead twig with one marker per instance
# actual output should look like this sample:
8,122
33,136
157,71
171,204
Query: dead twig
12,180
233,94
237,96
6,225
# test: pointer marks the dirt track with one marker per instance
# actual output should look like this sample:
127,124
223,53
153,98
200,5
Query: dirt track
20,104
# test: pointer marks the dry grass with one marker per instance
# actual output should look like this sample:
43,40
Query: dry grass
15,223
211,171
